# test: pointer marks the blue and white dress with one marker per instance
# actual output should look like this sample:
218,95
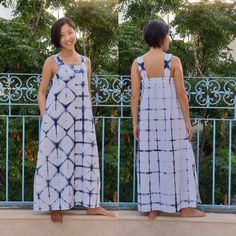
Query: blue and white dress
67,172
166,173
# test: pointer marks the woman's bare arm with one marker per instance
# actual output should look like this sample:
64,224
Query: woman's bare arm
47,74
89,72
181,92
135,93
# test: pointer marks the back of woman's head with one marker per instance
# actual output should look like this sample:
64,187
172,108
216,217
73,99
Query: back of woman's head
56,30
155,32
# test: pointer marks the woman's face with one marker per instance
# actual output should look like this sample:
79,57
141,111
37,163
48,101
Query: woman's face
67,37
166,42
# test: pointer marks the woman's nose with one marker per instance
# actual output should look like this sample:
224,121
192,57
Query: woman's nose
67,37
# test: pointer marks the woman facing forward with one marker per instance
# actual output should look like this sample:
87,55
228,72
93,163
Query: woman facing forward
166,174
67,172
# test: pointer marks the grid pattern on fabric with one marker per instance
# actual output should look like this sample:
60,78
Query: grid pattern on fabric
166,175
67,171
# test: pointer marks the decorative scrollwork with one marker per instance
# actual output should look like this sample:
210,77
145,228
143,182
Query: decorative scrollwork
100,90
4,88
121,90
207,92
16,90
229,95
116,90
188,89
32,84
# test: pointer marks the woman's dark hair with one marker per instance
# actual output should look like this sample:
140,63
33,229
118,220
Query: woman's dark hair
155,32
56,30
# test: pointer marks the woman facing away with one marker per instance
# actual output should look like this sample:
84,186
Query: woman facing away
67,171
166,175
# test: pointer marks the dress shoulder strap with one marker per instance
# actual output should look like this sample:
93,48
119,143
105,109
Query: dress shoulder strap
83,59
141,67
58,60
167,64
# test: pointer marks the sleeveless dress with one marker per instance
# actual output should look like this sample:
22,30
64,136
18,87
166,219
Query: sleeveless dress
67,171
166,173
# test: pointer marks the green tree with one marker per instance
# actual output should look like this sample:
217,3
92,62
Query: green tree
143,11
25,38
135,15
131,45
211,27
34,12
98,21
18,52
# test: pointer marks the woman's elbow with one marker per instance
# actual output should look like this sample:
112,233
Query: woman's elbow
41,93
181,94
134,96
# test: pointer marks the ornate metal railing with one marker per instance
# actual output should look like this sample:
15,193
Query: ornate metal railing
19,134
114,90
215,92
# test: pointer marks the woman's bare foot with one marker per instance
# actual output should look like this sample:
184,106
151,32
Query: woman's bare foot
191,212
153,214
56,216
100,211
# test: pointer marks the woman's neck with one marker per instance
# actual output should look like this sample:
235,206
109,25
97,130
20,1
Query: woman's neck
68,53
156,50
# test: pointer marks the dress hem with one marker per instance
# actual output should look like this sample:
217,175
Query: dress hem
171,210
64,208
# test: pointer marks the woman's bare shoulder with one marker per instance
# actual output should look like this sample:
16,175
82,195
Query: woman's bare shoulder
175,62
87,60
49,66
175,59
50,61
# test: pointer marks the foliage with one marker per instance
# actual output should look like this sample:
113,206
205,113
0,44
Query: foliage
221,177
135,15
15,155
211,26
98,23
23,54
142,11
111,159
130,45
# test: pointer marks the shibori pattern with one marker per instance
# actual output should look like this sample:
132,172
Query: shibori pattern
166,170
67,172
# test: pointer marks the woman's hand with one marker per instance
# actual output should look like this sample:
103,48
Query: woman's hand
190,130
41,115
135,131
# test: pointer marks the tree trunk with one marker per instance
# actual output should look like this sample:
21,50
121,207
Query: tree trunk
39,15
195,45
